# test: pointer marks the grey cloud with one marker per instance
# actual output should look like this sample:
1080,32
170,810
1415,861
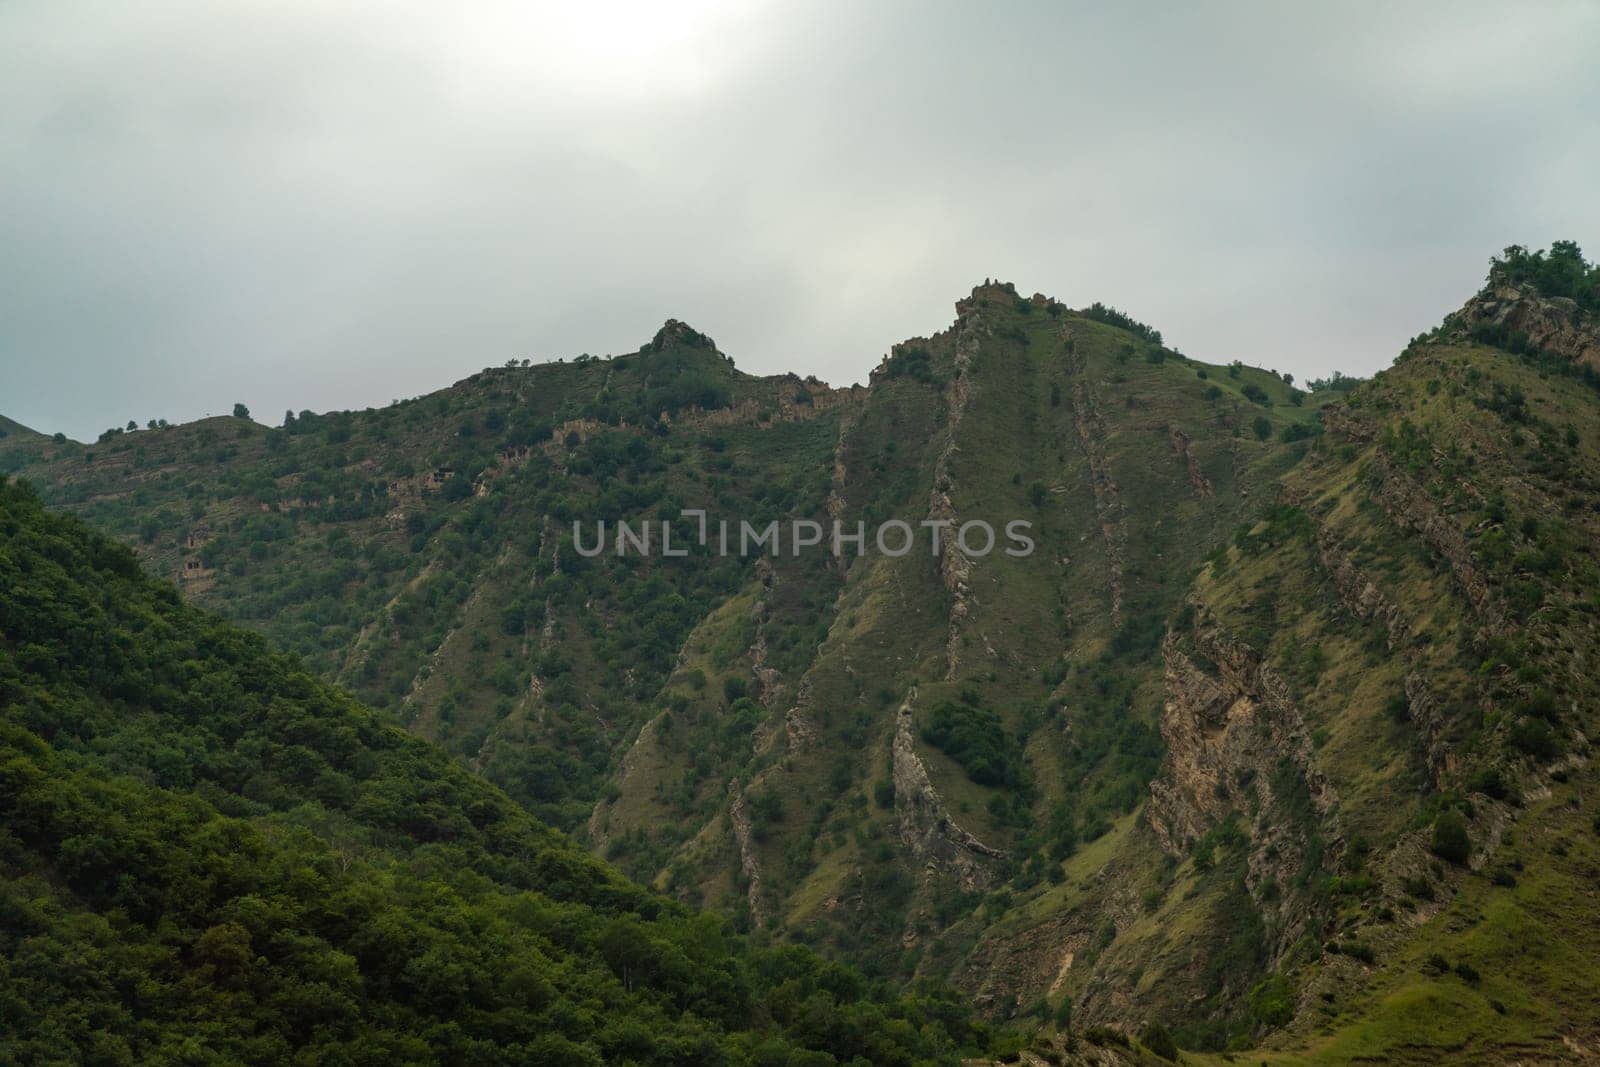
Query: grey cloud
333,204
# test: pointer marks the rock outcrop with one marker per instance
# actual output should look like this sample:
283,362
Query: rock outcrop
954,567
1238,747
749,864
1411,508
1552,324
1184,448
926,828
1357,592
1092,433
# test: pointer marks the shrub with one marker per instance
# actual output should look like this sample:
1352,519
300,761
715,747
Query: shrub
1105,1035
1112,317
1536,739
975,739
1272,1001
1156,1038
1562,271
1490,782
1450,839
1357,950
1420,888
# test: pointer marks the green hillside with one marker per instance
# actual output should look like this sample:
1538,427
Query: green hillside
1277,741
208,856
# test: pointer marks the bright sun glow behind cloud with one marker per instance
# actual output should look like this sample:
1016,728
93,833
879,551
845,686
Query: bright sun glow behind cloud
613,49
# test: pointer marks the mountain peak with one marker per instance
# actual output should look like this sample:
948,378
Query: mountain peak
676,333
1517,311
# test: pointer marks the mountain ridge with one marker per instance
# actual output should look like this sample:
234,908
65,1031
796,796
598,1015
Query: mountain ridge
1205,759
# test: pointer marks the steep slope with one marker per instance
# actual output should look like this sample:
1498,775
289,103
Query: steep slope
1287,691
846,750
936,749
20,446
206,856
1371,833
422,554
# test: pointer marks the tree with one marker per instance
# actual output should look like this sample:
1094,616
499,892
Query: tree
1156,1038
240,411
1450,839
1272,1001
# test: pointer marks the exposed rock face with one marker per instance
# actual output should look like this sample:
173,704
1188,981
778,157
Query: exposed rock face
954,566
1092,434
1340,420
926,828
1197,477
767,679
1554,324
1238,746
739,822
1423,709
1358,593
1411,508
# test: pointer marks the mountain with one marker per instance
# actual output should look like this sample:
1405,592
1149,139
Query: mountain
1277,739
208,856
14,437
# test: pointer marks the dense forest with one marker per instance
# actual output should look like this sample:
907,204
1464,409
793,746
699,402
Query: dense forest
208,856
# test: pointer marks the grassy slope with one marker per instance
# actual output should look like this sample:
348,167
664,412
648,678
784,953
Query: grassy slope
1079,690
1529,940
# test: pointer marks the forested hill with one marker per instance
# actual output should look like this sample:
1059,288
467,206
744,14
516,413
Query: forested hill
1280,741
209,856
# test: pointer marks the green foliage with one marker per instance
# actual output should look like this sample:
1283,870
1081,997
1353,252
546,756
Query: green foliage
1560,272
1112,317
1450,839
1338,383
1281,524
914,362
208,856
1272,1001
1106,1037
977,740
1158,1040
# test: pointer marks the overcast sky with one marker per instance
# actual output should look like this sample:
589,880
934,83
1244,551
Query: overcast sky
327,203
